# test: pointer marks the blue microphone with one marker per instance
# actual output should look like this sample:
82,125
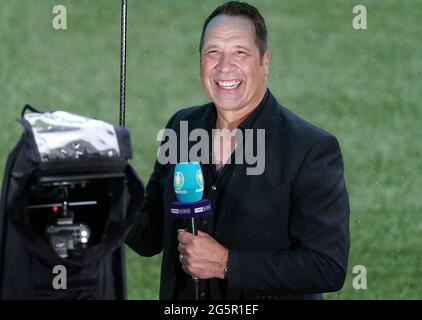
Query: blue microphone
189,188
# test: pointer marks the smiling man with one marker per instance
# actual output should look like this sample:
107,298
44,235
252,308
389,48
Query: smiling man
281,234
234,69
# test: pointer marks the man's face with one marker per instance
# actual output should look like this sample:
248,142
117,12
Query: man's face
232,73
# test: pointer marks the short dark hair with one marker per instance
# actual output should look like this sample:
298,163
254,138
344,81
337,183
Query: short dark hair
243,9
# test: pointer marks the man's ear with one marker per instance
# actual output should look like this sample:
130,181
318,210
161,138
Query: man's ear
266,62
200,65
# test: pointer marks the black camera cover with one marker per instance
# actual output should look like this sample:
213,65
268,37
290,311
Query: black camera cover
55,148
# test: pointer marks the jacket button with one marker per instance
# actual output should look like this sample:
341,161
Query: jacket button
214,188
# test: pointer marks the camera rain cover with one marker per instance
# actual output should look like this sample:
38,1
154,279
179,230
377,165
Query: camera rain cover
62,135
65,142
58,151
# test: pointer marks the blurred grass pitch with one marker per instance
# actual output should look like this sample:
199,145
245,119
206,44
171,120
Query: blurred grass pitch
361,85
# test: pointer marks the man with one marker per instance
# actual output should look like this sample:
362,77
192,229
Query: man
280,234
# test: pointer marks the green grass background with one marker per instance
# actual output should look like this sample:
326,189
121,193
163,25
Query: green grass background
363,86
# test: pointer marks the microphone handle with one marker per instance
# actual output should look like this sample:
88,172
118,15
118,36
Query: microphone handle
192,228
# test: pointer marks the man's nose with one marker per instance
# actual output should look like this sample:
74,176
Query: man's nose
224,64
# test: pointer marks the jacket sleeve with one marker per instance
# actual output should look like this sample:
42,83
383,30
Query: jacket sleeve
317,260
146,234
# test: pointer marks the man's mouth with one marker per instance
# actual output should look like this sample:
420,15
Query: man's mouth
228,84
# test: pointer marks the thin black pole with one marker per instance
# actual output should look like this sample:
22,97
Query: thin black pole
123,29
120,254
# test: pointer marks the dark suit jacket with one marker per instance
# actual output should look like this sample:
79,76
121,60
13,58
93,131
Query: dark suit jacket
287,230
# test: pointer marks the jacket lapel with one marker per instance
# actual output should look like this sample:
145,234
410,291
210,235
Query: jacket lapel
268,119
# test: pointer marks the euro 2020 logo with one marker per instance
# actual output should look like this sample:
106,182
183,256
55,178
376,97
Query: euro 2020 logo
200,179
179,180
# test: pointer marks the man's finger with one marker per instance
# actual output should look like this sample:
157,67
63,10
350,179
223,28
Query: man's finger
183,236
185,269
203,234
181,248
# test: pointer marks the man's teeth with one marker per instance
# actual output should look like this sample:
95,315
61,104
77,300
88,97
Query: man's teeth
229,84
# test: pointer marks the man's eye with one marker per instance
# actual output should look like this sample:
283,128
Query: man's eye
241,53
212,52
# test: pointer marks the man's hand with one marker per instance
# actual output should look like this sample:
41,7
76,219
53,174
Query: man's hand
201,256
